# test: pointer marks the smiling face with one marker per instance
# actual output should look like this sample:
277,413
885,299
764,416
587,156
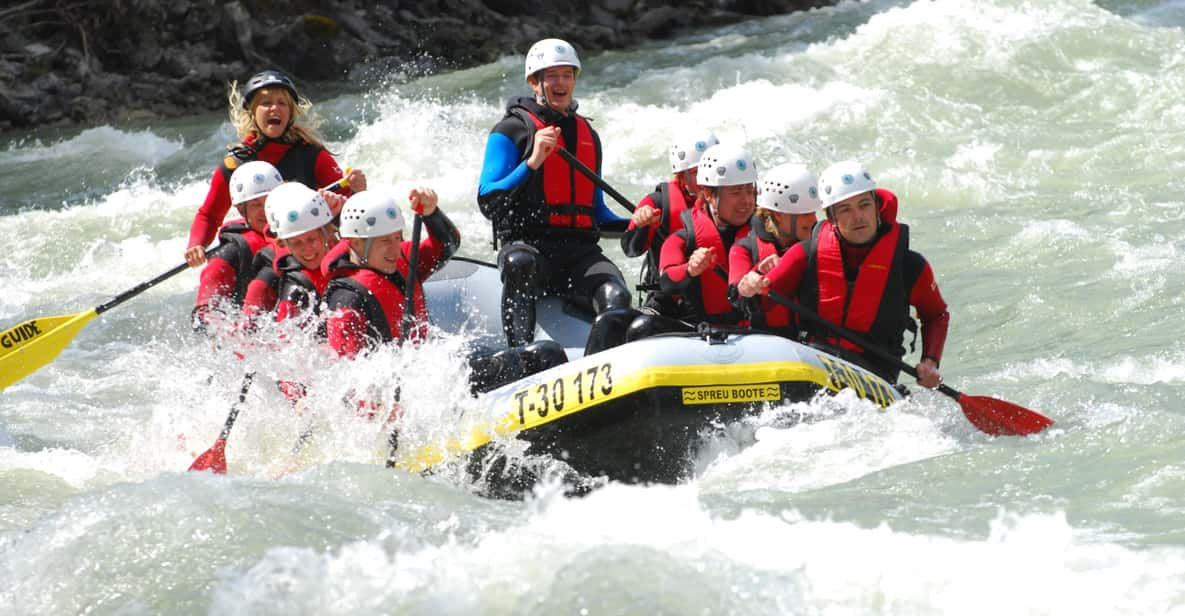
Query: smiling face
734,204
385,251
271,108
255,213
557,84
309,248
856,218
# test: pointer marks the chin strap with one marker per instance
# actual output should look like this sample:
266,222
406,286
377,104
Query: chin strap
362,258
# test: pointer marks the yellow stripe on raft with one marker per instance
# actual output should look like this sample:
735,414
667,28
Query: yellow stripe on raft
594,384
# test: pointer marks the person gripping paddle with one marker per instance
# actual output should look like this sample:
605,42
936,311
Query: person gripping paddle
547,217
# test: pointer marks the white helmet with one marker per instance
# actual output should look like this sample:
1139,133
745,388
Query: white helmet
254,179
293,208
726,165
551,52
687,151
370,214
842,180
790,189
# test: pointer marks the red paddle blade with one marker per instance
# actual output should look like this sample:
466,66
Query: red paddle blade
214,459
1002,418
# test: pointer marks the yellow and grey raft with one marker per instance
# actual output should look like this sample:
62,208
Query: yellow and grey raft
632,413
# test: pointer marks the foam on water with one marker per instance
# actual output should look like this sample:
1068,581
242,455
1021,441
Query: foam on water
145,146
631,548
1036,155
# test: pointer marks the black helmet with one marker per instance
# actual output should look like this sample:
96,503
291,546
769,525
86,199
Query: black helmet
267,79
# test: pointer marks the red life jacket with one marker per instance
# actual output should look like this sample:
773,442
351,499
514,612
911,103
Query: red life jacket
383,300
671,203
567,193
255,252
887,205
875,303
759,243
710,303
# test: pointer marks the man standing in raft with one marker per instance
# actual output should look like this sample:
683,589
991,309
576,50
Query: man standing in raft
857,271
546,214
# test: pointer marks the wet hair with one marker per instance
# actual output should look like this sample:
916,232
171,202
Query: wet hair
303,126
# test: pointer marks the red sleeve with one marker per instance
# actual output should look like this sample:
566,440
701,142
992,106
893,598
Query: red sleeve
346,329
787,276
327,171
209,217
428,260
740,262
261,297
672,262
931,308
216,280
648,200
631,240
286,309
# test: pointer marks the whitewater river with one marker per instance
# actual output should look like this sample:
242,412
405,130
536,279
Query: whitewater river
1038,152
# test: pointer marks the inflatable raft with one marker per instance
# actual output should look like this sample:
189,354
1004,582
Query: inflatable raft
632,413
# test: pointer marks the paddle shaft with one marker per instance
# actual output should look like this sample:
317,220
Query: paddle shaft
596,179
234,408
148,284
413,262
409,310
868,347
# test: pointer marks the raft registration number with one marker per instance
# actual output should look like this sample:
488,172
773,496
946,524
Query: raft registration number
570,391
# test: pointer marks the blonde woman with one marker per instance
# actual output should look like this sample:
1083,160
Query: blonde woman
275,126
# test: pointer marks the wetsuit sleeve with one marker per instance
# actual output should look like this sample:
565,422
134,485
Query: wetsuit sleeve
925,297
435,249
503,169
740,262
286,309
602,213
635,242
672,263
327,171
209,217
441,228
218,276
262,293
787,276
346,325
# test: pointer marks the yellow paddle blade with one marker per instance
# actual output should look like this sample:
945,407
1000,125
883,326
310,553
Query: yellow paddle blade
27,346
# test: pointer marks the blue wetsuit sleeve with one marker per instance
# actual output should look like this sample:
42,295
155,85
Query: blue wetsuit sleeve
501,170
605,215
602,213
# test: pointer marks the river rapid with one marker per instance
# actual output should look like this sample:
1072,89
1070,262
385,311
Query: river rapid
1037,151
